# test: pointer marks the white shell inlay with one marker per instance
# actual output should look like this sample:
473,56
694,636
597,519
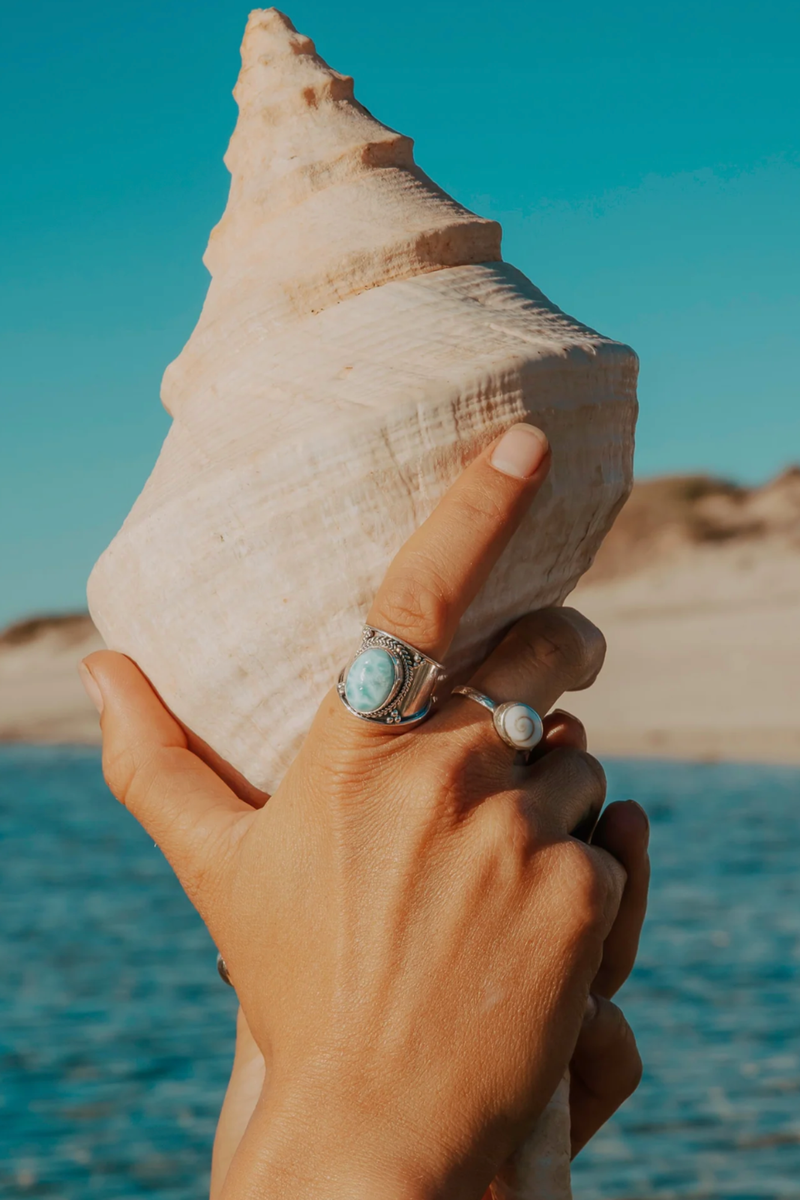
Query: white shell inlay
522,726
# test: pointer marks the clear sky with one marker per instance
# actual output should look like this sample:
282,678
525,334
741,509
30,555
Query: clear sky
644,160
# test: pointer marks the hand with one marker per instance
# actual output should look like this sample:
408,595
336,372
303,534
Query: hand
411,927
605,1068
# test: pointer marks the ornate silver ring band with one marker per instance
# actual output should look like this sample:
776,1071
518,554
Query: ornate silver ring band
389,682
519,725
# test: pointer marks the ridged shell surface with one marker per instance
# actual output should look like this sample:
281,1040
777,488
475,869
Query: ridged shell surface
361,341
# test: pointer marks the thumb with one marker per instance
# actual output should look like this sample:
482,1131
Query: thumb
184,806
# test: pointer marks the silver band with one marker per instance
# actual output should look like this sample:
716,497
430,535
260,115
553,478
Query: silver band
389,682
519,725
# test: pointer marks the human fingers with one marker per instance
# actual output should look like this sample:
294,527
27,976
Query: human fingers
624,832
545,654
563,793
243,788
561,730
181,802
440,569
605,1069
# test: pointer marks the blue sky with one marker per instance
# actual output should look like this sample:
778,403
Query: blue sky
643,159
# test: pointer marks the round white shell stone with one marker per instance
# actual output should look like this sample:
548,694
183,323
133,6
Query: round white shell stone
521,725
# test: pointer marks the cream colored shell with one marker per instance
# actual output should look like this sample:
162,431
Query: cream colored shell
361,341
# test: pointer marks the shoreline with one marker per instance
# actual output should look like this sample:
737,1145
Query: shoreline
686,751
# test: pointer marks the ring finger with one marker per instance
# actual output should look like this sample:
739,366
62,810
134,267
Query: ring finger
544,655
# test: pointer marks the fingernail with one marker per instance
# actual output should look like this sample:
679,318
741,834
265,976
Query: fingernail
90,685
520,452
590,1012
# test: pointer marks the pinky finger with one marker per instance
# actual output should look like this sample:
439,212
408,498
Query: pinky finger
560,730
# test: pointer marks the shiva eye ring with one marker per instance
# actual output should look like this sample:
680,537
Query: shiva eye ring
519,725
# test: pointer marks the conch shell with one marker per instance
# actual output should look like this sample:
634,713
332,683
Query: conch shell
361,341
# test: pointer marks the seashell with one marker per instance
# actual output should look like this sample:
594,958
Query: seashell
362,339
519,725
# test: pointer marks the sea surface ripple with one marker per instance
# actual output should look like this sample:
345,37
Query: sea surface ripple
116,1033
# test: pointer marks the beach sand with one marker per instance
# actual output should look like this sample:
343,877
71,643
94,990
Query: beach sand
703,658
41,697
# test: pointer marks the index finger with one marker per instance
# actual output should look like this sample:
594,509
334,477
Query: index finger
441,568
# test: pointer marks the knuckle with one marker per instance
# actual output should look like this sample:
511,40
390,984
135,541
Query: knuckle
614,877
483,506
134,771
578,770
628,1059
415,607
593,642
462,776
442,782
120,770
505,835
565,643
572,776
587,884
352,770
591,772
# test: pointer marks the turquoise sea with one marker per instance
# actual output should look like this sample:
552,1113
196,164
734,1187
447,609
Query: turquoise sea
116,1033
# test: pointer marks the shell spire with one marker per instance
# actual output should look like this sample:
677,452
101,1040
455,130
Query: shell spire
285,247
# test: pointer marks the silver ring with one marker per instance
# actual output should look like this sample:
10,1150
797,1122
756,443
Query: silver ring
222,968
389,682
519,725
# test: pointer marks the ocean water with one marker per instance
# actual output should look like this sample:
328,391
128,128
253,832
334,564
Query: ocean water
116,1033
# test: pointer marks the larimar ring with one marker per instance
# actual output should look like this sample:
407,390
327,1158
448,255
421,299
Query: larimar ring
389,682
518,724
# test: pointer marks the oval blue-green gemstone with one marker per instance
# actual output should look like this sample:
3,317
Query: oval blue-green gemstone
370,680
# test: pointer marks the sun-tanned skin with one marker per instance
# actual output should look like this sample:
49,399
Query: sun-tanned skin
605,1068
414,923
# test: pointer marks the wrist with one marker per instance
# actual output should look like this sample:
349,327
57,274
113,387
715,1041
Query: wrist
292,1172
296,1163
322,1150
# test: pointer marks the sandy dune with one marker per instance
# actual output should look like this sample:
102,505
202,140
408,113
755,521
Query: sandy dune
703,659
41,697
697,589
